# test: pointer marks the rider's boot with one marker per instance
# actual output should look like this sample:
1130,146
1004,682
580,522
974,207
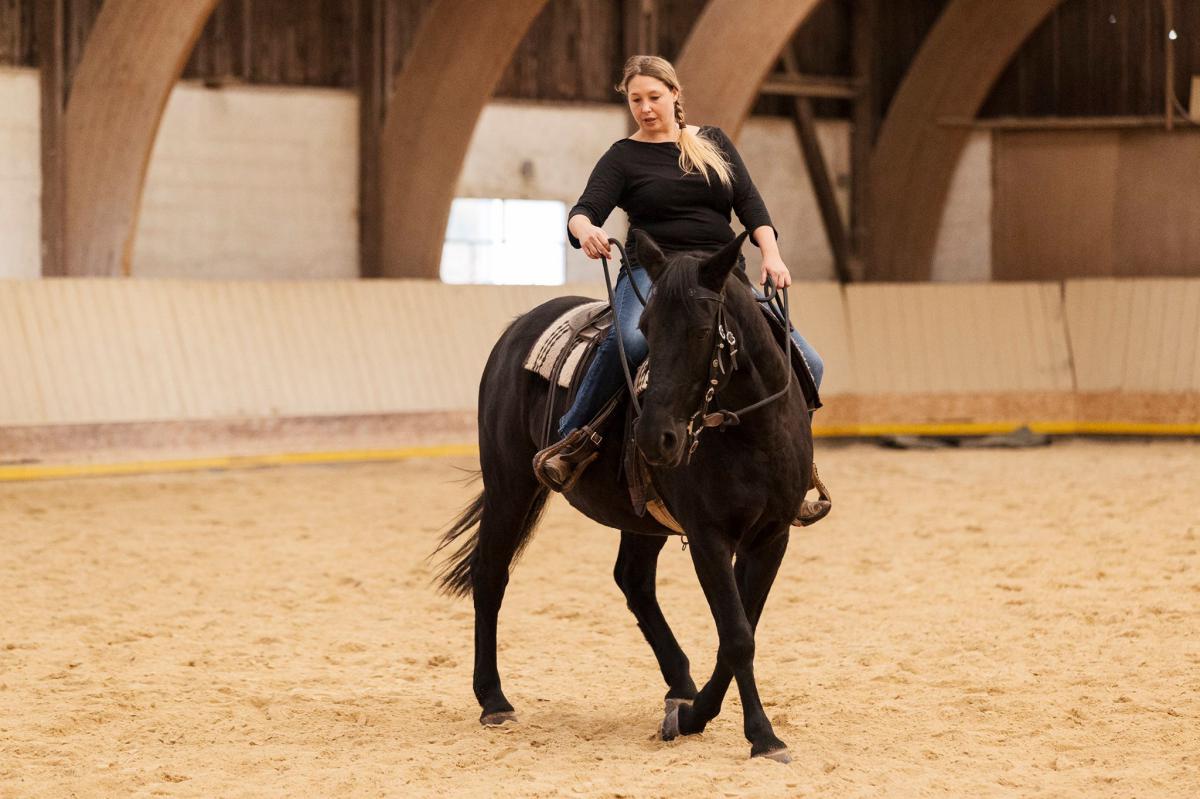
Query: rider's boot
814,510
559,466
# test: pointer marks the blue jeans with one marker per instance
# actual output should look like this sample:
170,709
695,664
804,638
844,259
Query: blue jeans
605,375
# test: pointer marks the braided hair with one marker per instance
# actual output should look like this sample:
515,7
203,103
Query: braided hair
696,152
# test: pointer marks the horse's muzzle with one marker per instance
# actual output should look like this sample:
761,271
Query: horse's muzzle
661,440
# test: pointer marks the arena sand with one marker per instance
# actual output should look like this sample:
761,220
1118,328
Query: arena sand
966,623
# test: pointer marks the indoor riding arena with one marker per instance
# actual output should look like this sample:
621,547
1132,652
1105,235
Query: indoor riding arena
254,255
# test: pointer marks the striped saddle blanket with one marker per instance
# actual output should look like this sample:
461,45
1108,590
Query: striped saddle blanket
562,347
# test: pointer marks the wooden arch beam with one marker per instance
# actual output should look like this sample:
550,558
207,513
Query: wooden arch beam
730,52
458,56
915,156
132,59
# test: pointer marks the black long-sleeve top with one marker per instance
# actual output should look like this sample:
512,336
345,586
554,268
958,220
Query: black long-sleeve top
680,212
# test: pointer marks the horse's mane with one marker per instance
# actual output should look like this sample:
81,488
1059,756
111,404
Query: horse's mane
681,274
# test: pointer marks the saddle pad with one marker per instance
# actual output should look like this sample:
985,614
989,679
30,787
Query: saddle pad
575,329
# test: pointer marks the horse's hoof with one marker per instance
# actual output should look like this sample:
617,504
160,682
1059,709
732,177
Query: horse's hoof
780,755
498,718
673,704
670,724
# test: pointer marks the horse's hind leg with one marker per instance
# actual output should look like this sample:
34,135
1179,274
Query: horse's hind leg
635,572
512,504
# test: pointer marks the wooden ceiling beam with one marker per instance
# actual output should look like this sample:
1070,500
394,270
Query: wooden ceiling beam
798,85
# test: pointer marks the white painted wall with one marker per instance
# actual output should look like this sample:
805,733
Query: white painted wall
252,182
771,150
20,174
964,246
262,183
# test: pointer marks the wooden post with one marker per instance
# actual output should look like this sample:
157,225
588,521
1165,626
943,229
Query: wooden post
247,74
818,173
1169,65
862,139
52,68
372,104
641,27
640,21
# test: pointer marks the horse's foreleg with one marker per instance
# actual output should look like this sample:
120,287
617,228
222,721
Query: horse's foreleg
736,597
635,573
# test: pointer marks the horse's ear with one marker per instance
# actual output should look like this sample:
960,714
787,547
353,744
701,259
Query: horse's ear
649,256
718,266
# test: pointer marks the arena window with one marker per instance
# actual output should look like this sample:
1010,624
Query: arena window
505,241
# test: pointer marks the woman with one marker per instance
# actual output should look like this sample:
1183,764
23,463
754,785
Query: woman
677,182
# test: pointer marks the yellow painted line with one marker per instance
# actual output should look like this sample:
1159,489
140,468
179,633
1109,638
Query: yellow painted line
21,473
1137,429
999,428
62,471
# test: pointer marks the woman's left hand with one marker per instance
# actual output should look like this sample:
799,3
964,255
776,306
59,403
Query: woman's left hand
773,267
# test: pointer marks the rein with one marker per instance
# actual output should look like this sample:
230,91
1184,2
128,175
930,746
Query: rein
612,302
718,374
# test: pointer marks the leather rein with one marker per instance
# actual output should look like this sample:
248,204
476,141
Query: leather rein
725,347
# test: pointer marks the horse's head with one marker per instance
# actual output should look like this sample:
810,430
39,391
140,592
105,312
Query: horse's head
680,323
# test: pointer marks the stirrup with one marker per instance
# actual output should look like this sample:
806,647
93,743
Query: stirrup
812,511
560,465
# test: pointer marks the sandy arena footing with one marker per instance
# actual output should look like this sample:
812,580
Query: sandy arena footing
966,623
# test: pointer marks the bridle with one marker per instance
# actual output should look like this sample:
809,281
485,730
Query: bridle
725,347
719,376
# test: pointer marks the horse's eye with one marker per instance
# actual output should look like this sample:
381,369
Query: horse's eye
703,334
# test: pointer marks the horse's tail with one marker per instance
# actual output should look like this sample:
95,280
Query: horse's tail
454,573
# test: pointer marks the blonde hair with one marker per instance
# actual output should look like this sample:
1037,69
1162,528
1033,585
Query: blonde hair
696,153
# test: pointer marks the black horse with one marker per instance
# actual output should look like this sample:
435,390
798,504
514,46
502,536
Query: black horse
735,494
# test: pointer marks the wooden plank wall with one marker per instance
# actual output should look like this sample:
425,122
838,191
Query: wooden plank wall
955,358
1096,204
1077,63
79,351
1099,57
16,33
819,313
929,358
298,42
1136,346
943,338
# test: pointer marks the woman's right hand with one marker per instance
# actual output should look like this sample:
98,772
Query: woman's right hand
594,243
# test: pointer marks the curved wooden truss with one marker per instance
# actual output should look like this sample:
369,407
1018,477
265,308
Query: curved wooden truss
730,52
915,157
132,59
459,55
